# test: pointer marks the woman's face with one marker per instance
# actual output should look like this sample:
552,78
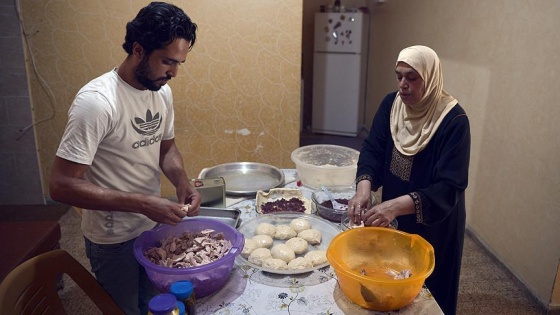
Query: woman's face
410,83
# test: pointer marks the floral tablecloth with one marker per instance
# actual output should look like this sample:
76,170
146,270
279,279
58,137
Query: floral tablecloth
252,291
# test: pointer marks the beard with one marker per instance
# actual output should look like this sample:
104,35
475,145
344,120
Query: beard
143,73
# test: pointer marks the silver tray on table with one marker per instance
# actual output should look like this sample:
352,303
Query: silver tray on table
245,178
227,216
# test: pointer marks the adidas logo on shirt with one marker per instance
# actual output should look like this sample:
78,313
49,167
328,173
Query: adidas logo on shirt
147,127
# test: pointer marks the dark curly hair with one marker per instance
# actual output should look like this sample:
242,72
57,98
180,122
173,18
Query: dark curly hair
157,25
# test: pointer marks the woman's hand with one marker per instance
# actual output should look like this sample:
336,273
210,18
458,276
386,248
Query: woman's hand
380,215
385,212
360,201
357,205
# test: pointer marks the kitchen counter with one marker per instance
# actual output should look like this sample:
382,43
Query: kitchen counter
252,291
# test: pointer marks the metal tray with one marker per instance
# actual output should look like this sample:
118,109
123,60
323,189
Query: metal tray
245,178
227,216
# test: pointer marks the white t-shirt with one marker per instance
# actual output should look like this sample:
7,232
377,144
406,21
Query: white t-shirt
117,130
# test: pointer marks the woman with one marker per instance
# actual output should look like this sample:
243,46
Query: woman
418,150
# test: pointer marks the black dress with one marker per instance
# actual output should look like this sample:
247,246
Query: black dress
436,179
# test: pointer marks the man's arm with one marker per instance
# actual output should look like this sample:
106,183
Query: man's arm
171,163
67,185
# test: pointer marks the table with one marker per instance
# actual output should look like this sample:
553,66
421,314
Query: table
27,231
251,291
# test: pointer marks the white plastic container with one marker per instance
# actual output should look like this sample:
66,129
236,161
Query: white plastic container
326,164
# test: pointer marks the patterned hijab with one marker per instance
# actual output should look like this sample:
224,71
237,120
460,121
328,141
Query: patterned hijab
412,127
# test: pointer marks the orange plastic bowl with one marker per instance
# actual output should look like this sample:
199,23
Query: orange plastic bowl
363,259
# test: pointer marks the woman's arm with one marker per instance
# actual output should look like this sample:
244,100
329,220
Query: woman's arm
369,175
435,202
372,155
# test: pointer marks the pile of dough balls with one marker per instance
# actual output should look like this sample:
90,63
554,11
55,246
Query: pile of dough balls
292,254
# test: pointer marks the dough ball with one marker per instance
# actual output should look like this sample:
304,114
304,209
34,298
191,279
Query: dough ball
353,226
284,232
263,240
300,263
249,247
300,224
283,251
274,263
312,236
265,229
259,255
297,244
317,257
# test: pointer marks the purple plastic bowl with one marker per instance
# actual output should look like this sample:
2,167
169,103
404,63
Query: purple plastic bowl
206,279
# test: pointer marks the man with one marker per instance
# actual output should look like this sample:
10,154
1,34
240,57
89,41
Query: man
118,140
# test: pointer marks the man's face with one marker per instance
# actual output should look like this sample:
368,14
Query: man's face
155,69
410,83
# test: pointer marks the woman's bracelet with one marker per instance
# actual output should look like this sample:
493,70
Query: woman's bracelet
363,177
417,206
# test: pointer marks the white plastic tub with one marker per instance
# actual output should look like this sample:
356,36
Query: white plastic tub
325,164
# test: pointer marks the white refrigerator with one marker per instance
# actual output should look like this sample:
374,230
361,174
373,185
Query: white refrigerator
339,72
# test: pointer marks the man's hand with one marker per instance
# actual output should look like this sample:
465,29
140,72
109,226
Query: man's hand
163,210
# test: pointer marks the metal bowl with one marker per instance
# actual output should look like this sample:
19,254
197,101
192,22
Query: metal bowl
245,178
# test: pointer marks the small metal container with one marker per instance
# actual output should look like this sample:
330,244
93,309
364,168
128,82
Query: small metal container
212,191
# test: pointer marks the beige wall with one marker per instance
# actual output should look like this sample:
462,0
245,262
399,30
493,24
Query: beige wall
498,56
237,98
500,61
